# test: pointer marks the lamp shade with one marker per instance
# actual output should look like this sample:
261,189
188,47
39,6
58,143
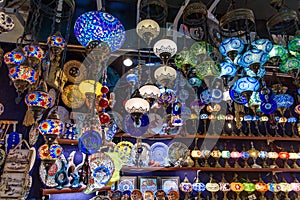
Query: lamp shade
150,92
207,68
134,105
227,69
253,57
90,87
165,74
33,51
23,76
165,49
51,126
100,26
294,46
57,42
15,57
147,29
290,64
246,84
262,44
284,100
231,47
279,51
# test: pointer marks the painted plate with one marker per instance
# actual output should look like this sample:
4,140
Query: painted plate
144,155
124,149
52,172
159,153
90,142
177,150
125,185
75,71
72,97
101,159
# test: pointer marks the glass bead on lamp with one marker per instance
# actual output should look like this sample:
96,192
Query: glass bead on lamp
231,47
99,26
22,77
165,49
148,30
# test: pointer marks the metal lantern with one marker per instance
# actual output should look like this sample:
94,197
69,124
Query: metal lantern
148,30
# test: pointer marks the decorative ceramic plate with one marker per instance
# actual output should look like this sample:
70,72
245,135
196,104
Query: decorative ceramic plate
33,135
141,151
101,175
75,71
156,123
90,142
124,149
52,171
72,97
159,153
177,150
101,159
169,185
136,195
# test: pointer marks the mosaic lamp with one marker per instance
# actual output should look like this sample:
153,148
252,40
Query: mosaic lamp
99,26
136,106
231,47
246,86
148,30
38,100
165,49
56,43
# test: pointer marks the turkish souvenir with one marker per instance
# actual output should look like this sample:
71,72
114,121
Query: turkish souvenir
90,142
127,183
124,149
186,187
148,195
159,153
173,195
33,134
136,195
196,153
75,71
169,183
212,187
216,154
61,177
224,187
148,183
235,155
140,155
176,151
198,186
160,195
72,97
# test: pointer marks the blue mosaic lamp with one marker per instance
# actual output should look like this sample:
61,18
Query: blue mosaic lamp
99,26
260,72
231,47
283,101
228,71
262,44
245,84
254,59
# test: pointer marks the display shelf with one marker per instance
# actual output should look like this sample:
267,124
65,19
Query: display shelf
145,169
67,141
69,190
149,137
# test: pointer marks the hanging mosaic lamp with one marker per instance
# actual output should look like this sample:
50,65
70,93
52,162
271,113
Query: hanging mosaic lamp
283,101
56,43
278,55
231,47
185,60
262,44
294,46
99,26
254,59
14,57
136,106
34,54
165,49
148,30
259,74
201,48
22,77
6,23
38,100
228,71
165,74
292,63
207,68
150,92
246,84
51,127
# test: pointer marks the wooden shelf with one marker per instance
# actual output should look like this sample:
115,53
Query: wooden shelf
150,137
68,190
144,169
67,141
